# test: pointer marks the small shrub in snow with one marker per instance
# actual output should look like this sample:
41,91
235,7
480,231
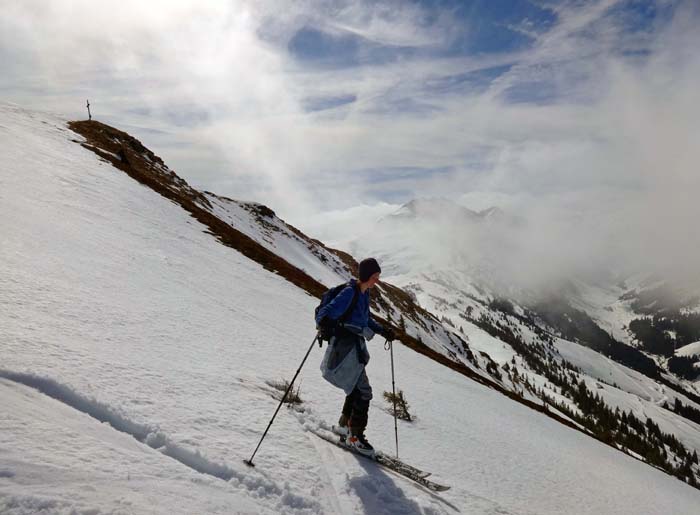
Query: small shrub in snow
401,405
294,395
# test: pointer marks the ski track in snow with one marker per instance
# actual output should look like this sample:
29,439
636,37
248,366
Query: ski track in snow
377,490
335,487
158,440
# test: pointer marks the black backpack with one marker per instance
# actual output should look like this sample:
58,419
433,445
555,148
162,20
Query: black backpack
325,333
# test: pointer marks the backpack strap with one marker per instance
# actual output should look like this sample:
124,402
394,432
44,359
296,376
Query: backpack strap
353,303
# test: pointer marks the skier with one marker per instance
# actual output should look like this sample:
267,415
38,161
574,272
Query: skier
346,369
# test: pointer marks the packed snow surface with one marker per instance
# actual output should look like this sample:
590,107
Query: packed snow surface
136,354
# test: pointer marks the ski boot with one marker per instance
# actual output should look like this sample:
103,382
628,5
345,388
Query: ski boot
343,428
359,443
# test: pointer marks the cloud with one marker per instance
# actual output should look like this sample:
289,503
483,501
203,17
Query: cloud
339,228
604,171
591,121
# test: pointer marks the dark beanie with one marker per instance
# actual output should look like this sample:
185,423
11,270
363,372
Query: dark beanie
368,267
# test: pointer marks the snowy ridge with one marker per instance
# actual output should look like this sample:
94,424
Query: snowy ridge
120,296
261,224
257,232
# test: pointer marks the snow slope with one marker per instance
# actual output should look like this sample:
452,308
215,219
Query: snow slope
275,235
631,391
692,349
618,385
124,309
58,460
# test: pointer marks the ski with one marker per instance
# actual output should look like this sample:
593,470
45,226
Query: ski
413,470
393,464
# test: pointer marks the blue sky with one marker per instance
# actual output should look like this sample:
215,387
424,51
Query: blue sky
493,27
326,106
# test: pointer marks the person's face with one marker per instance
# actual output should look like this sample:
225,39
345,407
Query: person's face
374,279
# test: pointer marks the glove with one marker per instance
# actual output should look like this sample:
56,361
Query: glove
326,323
389,334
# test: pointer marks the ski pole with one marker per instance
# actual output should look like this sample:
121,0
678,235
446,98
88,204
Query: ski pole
250,461
390,347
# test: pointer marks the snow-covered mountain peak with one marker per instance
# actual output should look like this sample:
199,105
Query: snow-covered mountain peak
440,210
492,213
430,208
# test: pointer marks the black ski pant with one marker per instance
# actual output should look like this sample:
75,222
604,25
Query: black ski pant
356,406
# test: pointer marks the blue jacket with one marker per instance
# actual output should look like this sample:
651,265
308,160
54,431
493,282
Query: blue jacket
360,315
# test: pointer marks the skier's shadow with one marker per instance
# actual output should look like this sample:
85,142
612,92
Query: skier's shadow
380,494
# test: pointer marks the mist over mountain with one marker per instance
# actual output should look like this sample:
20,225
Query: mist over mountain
458,262
523,255
497,249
